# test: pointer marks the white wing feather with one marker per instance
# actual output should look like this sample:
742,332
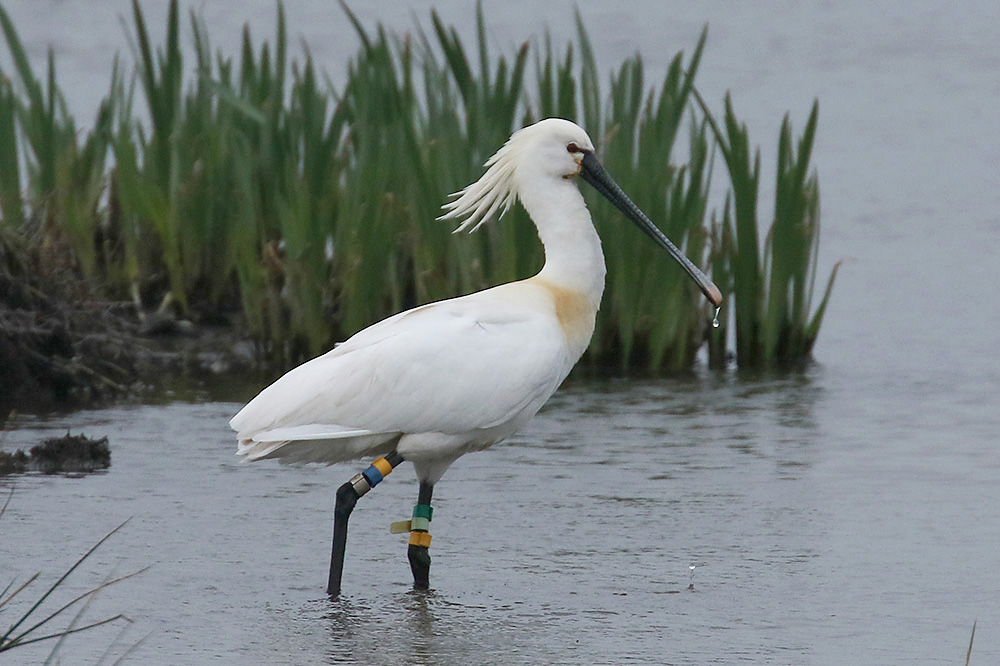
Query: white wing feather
455,367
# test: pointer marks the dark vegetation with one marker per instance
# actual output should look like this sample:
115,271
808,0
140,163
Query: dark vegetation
70,454
58,343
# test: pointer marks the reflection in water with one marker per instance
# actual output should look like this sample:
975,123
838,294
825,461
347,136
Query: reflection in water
414,627
770,415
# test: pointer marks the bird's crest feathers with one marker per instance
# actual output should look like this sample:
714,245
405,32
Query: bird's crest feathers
543,147
495,189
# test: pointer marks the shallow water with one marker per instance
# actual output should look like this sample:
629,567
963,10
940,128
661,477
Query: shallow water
818,536
844,514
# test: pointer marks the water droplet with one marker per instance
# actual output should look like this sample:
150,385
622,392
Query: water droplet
715,321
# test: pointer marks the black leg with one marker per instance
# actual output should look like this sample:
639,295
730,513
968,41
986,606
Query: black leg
420,539
347,498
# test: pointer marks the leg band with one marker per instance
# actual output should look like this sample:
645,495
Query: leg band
377,471
361,484
347,497
420,539
420,525
372,476
383,466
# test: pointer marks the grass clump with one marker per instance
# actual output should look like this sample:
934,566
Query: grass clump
76,454
35,625
772,289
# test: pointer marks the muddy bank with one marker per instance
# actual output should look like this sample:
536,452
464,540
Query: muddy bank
60,345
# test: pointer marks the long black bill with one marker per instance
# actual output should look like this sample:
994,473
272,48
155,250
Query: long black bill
592,172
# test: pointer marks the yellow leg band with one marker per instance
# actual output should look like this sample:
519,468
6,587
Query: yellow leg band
420,539
383,466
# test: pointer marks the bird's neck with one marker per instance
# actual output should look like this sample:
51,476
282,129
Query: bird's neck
573,256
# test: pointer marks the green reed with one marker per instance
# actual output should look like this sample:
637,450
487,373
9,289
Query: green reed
663,325
256,189
772,291
66,177
10,172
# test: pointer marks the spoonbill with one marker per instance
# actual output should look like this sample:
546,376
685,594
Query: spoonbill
432,383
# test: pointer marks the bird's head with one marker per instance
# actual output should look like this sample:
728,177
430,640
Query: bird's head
551,148
554,149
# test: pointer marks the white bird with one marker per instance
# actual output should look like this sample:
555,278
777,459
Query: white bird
438,381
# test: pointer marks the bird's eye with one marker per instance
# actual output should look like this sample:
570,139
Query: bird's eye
573,148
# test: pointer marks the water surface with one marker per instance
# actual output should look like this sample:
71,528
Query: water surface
816,539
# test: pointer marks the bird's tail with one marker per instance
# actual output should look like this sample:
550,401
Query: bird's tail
314,443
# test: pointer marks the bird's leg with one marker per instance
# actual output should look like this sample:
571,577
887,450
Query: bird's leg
347,497
420,538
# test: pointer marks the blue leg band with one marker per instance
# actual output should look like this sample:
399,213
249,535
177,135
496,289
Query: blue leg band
372,475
